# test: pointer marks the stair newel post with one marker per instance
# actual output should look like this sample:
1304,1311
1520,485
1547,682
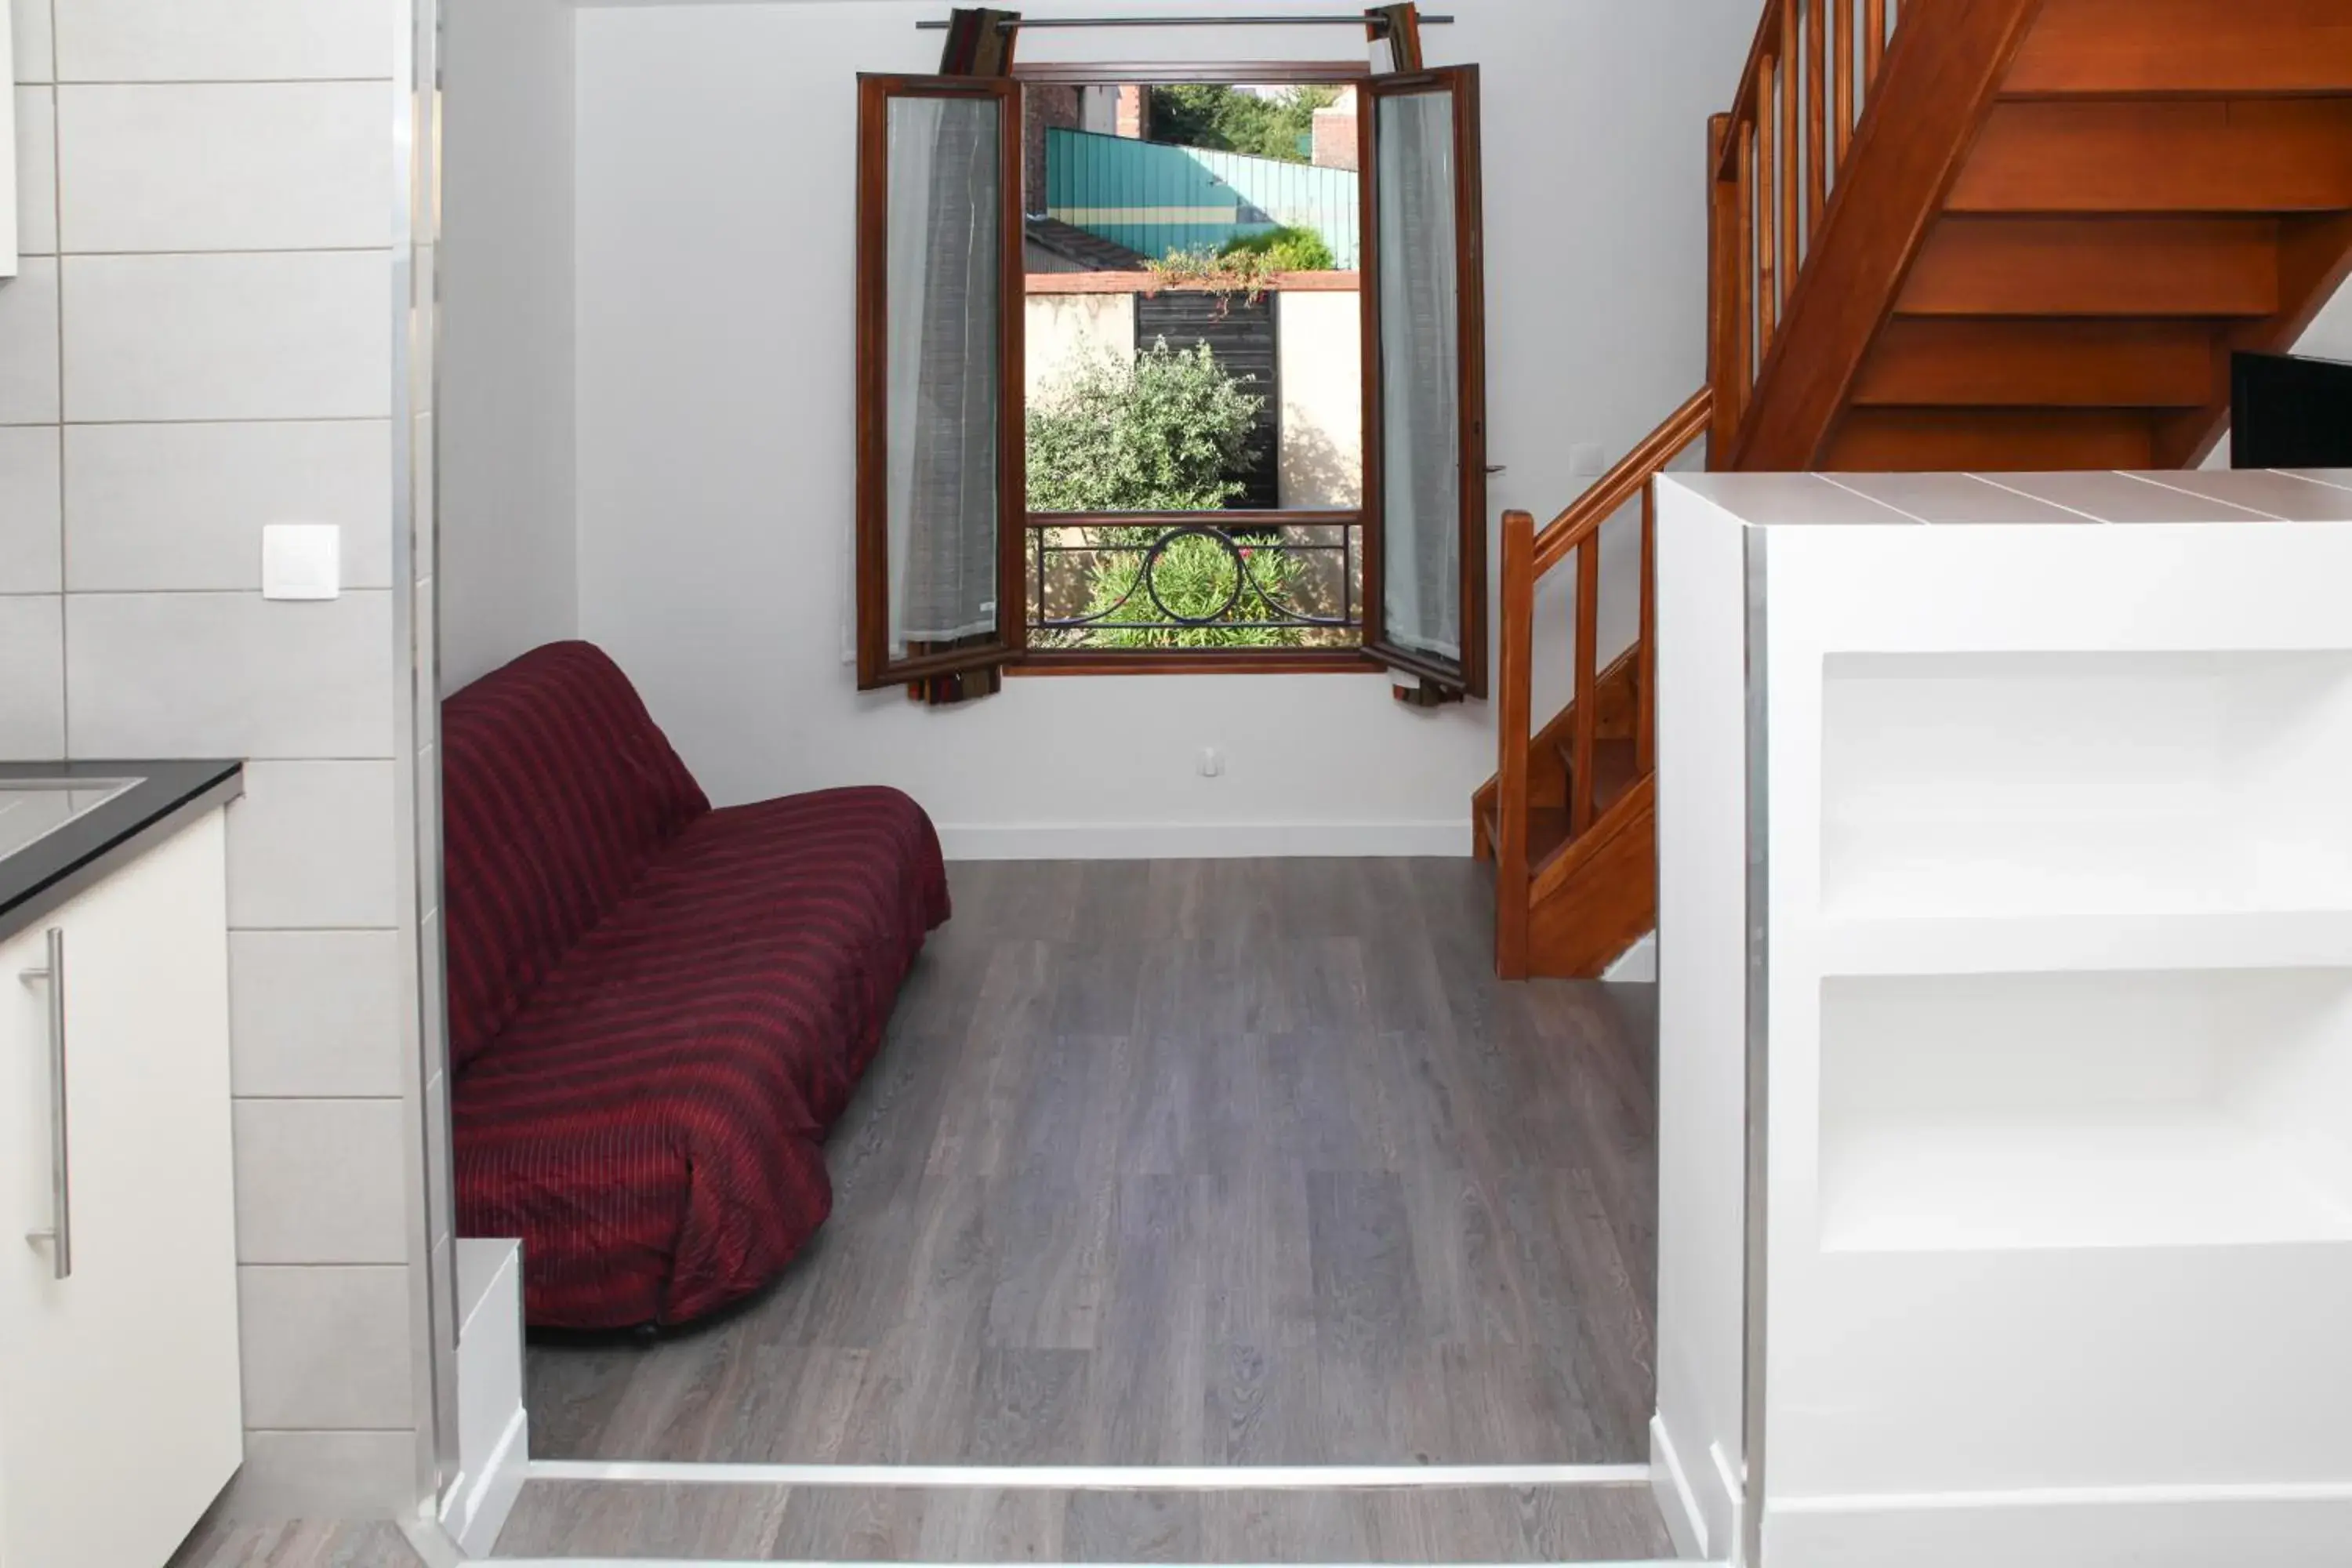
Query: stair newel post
1768,210
1727,306
1817,163
1789,150
1842,76
1645,724
1586,721
1513,718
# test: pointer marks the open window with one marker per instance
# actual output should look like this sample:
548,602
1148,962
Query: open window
1011,508
940,479
1425,379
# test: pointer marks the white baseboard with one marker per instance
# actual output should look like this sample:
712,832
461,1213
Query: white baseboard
2118,1527
493,1431
1638,964
1671,1484
477,1516
1200,840
1088,1478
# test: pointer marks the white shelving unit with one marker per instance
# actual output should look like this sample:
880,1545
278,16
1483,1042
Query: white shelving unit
2006,875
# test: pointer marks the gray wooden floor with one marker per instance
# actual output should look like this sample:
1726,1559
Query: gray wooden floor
966,1525
1197,1162
301,1545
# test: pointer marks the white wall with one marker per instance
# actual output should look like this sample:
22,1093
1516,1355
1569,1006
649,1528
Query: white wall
1062,330
509,571
199,343
1320,341
715,436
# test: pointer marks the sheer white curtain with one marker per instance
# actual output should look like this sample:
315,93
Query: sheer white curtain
1420,413
943,346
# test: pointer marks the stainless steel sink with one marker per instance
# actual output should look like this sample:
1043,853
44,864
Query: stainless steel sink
32,808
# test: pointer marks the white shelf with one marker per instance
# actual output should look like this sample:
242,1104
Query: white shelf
2098,1109
2036,943
2091,865
2099,784
2156,1178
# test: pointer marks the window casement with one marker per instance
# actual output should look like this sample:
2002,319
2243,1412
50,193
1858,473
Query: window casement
941,485
953,566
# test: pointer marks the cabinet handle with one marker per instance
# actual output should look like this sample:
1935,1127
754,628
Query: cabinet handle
60,1235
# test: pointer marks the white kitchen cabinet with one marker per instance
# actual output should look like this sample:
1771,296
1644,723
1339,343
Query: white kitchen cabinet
119,1418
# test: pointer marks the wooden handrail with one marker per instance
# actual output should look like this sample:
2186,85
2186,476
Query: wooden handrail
1621,484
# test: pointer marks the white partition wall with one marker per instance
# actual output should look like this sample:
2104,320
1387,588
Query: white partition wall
9,177
2049,794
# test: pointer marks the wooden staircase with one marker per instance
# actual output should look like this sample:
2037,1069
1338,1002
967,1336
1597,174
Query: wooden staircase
1945,235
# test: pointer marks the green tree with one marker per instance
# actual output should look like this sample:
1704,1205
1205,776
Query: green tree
1164,431
1227,120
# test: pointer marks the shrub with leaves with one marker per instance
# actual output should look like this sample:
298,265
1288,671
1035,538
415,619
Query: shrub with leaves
1164,431
1289,248
1195,576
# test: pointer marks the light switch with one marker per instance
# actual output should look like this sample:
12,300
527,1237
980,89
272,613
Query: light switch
1587,459
301,560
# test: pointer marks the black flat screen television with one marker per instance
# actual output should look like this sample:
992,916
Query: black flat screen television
2289,413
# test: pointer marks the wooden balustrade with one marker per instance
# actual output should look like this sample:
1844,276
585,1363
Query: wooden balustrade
1776,164
1523,864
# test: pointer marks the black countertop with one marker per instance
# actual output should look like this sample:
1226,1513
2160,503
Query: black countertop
60,863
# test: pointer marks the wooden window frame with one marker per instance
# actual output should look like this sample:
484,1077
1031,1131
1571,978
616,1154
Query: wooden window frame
876,668
1008,648
1469,239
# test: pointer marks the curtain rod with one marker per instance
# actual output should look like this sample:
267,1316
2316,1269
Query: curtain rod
1016,24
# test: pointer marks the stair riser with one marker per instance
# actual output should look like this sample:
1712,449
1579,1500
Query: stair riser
2000,363
2235,47
2202,268
2156,156
1903,440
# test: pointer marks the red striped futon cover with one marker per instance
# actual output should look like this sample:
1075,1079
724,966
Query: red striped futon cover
656,1010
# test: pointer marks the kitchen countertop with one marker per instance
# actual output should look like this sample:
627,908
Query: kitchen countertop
64,825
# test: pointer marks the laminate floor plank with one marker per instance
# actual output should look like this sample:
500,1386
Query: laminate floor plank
1196,1162
312,1544
1436,1525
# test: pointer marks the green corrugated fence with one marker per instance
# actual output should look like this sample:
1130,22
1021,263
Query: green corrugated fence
1155,199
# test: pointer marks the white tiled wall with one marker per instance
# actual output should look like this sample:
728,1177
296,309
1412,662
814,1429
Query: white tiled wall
201,343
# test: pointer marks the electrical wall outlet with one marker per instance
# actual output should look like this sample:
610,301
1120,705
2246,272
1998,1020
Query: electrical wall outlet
1213,763
301,560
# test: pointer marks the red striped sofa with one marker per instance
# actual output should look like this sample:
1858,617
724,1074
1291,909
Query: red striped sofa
656,1010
